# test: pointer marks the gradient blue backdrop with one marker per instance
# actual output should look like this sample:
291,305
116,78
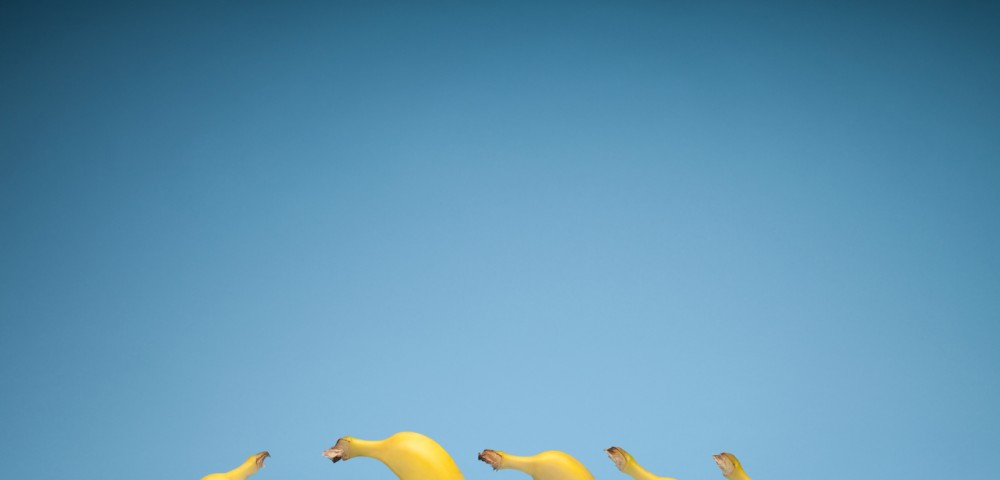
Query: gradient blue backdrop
677,227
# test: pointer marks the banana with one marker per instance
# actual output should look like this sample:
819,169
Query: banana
249,467
550,465
730,466
629,466
411,456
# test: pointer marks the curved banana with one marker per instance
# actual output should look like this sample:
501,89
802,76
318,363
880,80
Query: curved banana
411,456
247,468
629,466
730,466
550,465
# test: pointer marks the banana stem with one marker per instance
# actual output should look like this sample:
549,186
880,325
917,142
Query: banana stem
548,465
730,466
624,461
363,448
350,447
515,462
243,471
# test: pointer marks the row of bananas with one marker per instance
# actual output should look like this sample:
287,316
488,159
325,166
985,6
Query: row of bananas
412,456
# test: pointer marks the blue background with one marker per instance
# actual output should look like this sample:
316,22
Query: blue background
676,227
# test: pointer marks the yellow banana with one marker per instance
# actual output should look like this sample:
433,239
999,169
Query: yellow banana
550,465
411,456
629,466
249,467
730,466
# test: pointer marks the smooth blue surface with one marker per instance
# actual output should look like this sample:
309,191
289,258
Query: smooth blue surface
676,227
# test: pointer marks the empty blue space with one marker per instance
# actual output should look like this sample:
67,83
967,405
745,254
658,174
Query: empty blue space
676,227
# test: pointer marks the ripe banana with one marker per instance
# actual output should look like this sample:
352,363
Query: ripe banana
629,466
411,456
730,466
550,465
249,467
